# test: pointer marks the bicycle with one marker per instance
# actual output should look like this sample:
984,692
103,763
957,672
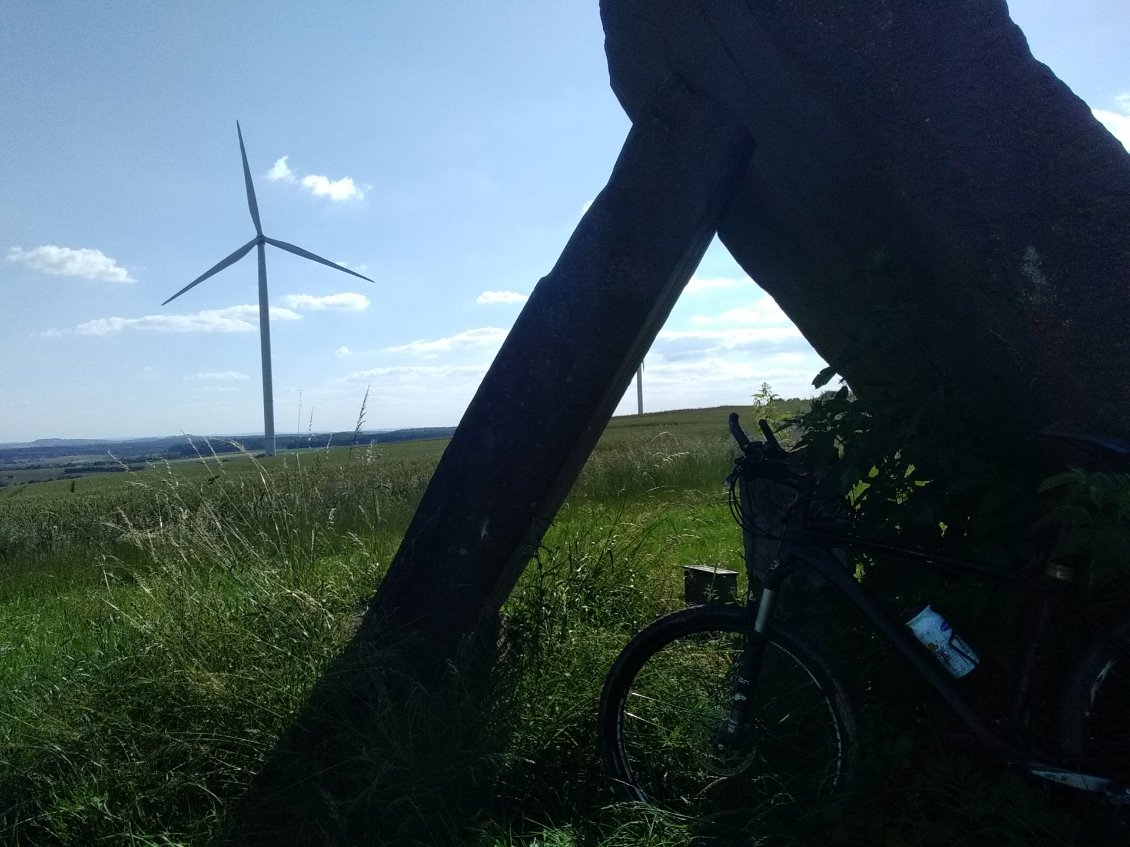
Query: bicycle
720,710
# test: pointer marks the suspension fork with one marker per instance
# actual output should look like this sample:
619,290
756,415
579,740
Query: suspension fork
749,665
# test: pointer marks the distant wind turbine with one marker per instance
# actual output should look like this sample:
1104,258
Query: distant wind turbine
639,388
260,241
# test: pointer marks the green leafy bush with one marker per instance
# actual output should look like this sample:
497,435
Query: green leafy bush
909,472
1088,513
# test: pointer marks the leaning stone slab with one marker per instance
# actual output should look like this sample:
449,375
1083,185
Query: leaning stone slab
934,209
558,377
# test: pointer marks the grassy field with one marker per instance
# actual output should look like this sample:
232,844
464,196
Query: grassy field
160,629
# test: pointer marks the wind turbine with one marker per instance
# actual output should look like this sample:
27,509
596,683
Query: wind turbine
260,241
639,388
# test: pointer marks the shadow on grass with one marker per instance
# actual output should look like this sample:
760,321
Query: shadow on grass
377,757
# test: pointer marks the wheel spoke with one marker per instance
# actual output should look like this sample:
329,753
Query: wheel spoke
670,693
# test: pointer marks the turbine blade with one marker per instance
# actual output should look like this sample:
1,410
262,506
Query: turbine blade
215,269
306,254
252,206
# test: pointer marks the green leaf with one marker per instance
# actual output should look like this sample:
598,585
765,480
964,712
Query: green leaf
1057,481
824,377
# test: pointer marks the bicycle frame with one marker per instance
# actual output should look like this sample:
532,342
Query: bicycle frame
813,552
809,548
801,545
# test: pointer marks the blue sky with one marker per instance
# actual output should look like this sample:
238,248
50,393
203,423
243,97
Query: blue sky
445,149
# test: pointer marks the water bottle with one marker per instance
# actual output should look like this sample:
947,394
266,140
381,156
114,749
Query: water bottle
949,648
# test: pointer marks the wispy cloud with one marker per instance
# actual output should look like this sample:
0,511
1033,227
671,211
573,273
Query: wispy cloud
762,312
361,269
1117,124
697,285
423,374
430,391
346,301
744,342
729,339
84,262
212,388
481,337
719,378
220,376
502,297
343,351
231,319
338,190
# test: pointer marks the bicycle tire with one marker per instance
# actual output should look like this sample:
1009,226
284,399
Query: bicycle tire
668,692
1094,726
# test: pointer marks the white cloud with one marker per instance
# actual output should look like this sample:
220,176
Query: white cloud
729,339
761,312
65,261
1117,125
280,172
502,297
713,378
343,351
336,189
417,373
764,311
439,392
345,301
481,337
699,284
220,376
212,389
231,319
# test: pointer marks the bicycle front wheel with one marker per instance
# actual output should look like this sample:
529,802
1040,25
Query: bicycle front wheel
668,693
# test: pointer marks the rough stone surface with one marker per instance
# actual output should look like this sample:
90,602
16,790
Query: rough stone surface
556,381
934,209
932,206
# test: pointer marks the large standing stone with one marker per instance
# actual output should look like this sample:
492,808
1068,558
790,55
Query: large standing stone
931,206
558,377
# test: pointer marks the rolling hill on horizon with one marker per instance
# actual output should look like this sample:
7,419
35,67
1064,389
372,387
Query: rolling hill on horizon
185,445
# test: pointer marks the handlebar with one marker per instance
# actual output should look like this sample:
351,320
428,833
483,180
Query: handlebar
743,440
770,438
737,431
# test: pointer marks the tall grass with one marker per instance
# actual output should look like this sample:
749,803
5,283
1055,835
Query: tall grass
138,704
143,693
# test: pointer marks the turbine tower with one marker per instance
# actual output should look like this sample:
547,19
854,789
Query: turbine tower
260,241
639,389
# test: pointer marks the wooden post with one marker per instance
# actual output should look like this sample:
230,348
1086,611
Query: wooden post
557,379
